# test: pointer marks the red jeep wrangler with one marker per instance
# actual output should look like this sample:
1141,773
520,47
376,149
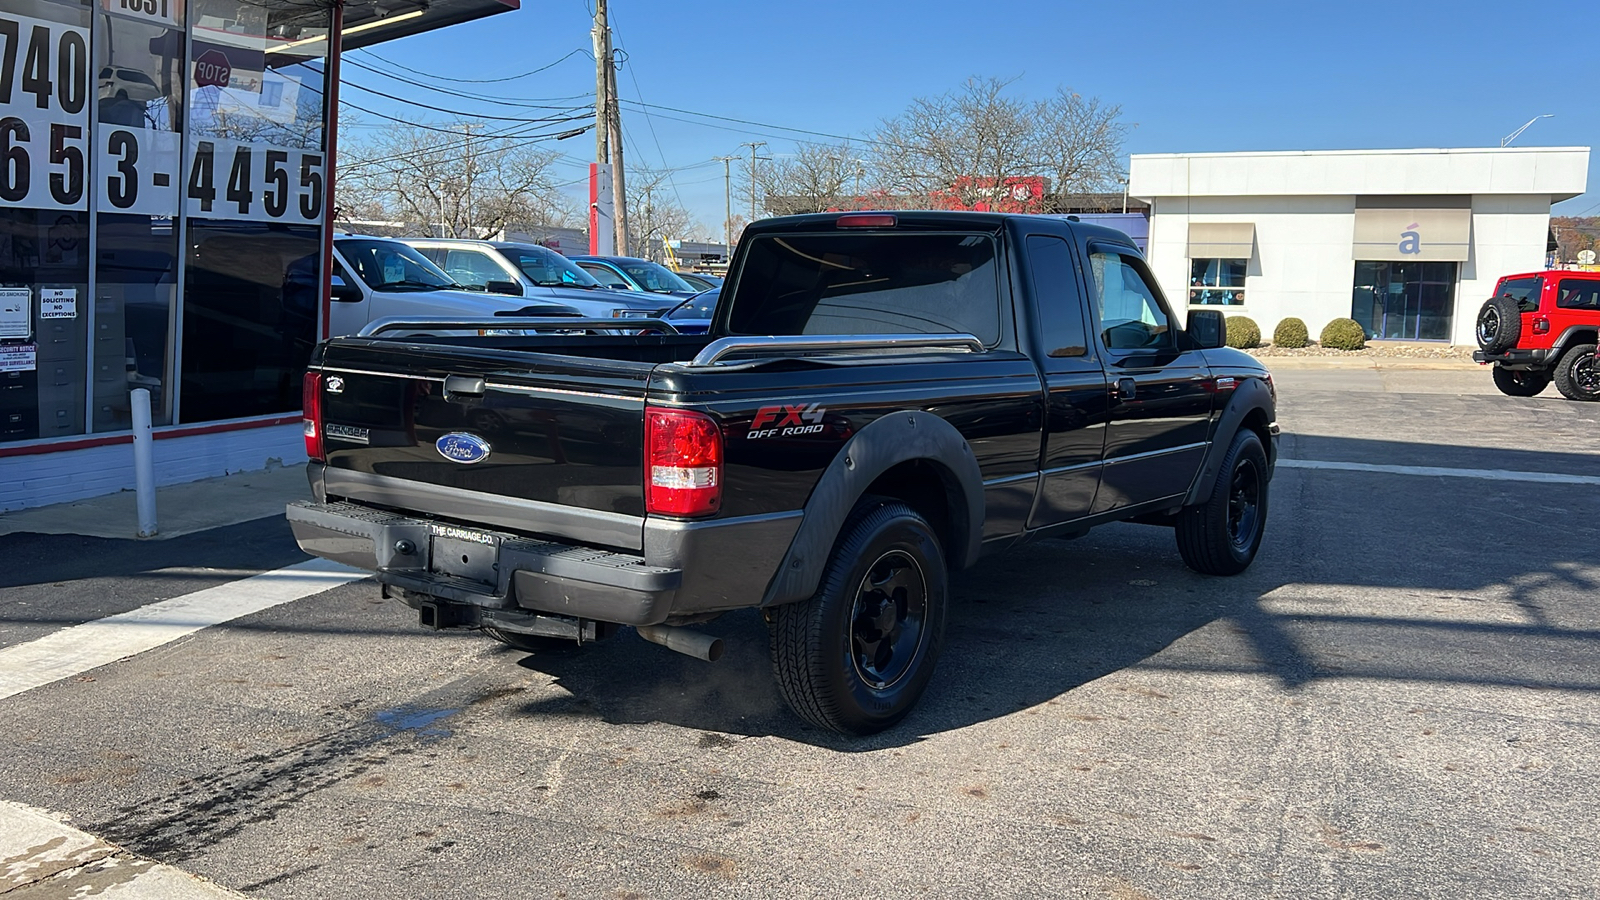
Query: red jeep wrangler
1541,327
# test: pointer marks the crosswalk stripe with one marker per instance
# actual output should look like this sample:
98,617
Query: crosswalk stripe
78,649
1445,471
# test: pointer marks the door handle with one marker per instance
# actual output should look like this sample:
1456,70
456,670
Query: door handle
1125,389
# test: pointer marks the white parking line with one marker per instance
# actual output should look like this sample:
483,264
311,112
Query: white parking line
1488,474
80,648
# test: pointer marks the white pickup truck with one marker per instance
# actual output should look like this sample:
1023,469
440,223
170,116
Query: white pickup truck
376,278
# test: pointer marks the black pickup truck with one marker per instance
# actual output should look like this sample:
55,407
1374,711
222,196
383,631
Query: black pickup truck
882,398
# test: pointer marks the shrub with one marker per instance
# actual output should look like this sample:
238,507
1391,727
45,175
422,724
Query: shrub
1344,334
1242,332
1291,333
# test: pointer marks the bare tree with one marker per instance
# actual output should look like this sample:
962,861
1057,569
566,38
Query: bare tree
456,183
818,177
976,147
1080,143
654,213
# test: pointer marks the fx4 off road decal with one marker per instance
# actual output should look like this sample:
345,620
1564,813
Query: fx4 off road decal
786,421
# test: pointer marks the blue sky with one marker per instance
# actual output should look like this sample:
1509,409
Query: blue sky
1190,77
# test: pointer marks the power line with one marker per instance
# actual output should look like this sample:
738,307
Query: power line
482,98
348,83
473,80
662,154
690,112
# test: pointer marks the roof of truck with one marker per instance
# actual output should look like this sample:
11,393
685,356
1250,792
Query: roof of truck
935,218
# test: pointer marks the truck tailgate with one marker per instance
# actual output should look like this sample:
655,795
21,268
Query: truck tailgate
536,443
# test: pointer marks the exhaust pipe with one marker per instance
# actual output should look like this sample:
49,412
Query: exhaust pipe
684,640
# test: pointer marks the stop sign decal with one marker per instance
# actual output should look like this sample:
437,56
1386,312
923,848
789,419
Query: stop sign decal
211,69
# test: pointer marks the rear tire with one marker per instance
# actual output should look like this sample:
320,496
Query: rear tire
1578,375
1221,535
1499,324
1520,382
856,657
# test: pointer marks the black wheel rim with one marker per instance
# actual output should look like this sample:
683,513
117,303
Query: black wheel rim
1586,375
1244,504
1488,326
887,620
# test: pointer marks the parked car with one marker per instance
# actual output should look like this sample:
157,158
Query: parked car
376,277
701,280
533,272
882,399
625,273
1541,327
693,316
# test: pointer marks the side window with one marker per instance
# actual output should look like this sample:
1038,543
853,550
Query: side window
433,254
472,268
1574,293
1055,288
606,277
1130,315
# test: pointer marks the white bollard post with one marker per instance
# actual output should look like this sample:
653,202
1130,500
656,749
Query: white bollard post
144,463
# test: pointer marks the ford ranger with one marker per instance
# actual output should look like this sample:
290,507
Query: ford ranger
882,398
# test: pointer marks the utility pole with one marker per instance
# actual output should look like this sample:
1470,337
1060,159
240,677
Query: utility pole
602,65
727,204
619,192
753,145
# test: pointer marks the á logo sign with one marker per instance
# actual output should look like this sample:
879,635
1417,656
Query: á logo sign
1411,240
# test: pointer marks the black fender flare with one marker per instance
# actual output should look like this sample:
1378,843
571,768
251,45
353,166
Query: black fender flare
1574,335
1251,394
893,439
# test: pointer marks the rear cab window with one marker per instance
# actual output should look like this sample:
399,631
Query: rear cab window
1523,290
838,283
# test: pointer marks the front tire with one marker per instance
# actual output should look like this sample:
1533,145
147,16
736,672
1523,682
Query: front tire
1520,382
1578,374
1221,535
856,657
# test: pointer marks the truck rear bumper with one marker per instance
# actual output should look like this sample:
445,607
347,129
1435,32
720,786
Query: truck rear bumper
688,568
486,568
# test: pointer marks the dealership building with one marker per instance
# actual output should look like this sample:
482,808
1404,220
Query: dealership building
1407,242
166,174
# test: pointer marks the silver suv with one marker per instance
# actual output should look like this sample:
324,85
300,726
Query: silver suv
537,273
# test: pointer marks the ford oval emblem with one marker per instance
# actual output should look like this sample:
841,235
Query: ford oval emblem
462,448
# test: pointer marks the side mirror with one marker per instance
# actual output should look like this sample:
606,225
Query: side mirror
504,287
1207,329
345,293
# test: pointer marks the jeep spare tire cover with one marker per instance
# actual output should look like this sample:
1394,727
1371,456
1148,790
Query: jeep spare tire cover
1499,325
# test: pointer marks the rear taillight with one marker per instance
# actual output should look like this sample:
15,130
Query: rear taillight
682,463
311,404
1541,325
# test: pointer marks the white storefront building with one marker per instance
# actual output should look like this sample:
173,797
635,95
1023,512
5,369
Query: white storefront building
1407,242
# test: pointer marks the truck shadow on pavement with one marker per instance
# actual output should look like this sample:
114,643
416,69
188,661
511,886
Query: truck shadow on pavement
1415,589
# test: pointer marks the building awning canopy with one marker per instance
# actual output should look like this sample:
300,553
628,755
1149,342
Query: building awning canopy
1221,240
1429,234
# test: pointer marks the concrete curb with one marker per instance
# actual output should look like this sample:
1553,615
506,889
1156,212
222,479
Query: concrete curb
42,857
1367,362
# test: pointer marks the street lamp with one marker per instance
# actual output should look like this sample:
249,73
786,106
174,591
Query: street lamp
1506,141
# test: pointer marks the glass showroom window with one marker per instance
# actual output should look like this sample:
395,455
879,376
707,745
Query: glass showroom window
253,197
138,104
45,92
1217,282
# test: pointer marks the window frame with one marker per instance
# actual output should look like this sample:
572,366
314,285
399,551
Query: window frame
1130,255
1240,291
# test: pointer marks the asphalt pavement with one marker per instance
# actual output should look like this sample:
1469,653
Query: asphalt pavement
1400,698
